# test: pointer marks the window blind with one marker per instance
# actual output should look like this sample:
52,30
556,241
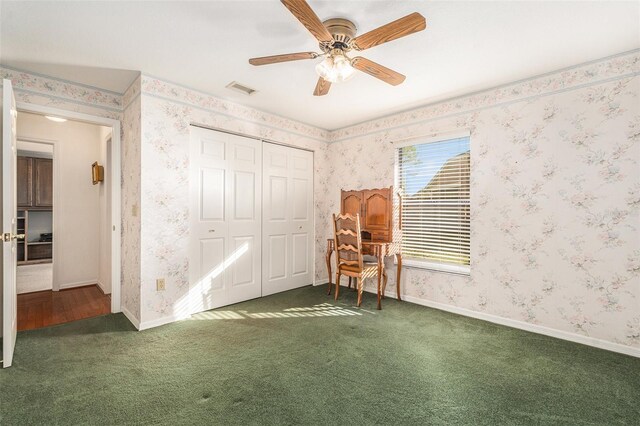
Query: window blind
434,182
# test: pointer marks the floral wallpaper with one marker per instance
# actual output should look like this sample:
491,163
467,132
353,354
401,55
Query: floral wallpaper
52,92
555,189
182,95
621,65
555,201
130,207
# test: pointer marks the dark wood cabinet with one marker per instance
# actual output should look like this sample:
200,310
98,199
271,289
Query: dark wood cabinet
34,183
34,195
24,184
43,182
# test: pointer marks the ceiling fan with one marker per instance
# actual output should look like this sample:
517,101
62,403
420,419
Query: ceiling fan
337,37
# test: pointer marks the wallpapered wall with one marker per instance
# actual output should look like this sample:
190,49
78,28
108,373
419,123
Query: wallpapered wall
555,197
555,190
131,162
42,90
167,112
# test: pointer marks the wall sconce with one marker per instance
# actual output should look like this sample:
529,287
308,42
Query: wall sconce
97,173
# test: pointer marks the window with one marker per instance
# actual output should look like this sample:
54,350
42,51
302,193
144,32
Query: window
433,177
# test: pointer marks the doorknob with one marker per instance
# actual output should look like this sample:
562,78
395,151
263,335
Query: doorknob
8,236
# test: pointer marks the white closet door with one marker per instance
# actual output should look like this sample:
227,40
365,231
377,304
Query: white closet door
287,218
225,194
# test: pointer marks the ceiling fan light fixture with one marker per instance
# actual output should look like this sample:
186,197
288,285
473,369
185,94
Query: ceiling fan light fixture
336,37
335,68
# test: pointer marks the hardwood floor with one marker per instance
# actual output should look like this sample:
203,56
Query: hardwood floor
44,308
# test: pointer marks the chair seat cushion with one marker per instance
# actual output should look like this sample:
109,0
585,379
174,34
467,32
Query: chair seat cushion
354,268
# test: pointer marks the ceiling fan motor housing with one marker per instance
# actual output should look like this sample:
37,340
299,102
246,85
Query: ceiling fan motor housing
343,32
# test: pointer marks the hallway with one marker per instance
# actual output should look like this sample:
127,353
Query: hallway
45,308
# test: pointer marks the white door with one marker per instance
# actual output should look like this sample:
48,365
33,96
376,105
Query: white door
225,194
287,218
9,225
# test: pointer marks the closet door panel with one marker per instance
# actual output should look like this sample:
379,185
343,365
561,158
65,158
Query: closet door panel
242,260
208,228
211,193
276,246
276,218
302,220
211,261
287,218
300,261
225,193
300,200
244,219
244,195
277,197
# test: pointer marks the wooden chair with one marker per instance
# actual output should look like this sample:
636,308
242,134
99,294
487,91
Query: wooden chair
348,246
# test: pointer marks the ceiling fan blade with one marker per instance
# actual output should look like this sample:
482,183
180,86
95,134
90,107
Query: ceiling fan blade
402,27
266,60
322,88
377,70
303,12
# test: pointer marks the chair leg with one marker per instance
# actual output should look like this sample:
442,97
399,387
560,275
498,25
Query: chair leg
337,285
384,283
360,288
349,282
379,292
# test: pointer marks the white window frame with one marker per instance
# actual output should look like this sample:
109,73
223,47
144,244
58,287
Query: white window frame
420,140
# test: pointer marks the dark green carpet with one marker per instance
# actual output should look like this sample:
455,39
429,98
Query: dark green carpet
269,363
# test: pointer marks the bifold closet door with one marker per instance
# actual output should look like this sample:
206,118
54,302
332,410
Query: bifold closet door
287,218
225,215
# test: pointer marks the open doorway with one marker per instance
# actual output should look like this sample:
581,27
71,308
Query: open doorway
63,198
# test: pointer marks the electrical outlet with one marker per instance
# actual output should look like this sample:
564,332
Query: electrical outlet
160,284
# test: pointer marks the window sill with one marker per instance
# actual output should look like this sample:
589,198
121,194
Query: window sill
437,267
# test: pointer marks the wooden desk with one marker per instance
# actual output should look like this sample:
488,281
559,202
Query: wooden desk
379,249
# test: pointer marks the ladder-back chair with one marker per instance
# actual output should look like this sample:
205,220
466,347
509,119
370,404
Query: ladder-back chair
349,262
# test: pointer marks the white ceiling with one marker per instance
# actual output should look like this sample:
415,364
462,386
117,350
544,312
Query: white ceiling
467,46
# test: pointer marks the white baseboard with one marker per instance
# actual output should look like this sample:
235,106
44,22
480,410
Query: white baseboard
132,318
77,284
534,328
102,287
145,325
43,287
321,281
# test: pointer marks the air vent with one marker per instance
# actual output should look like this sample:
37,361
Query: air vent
234,85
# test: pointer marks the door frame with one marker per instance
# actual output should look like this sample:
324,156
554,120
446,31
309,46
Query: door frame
115,189
56,168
